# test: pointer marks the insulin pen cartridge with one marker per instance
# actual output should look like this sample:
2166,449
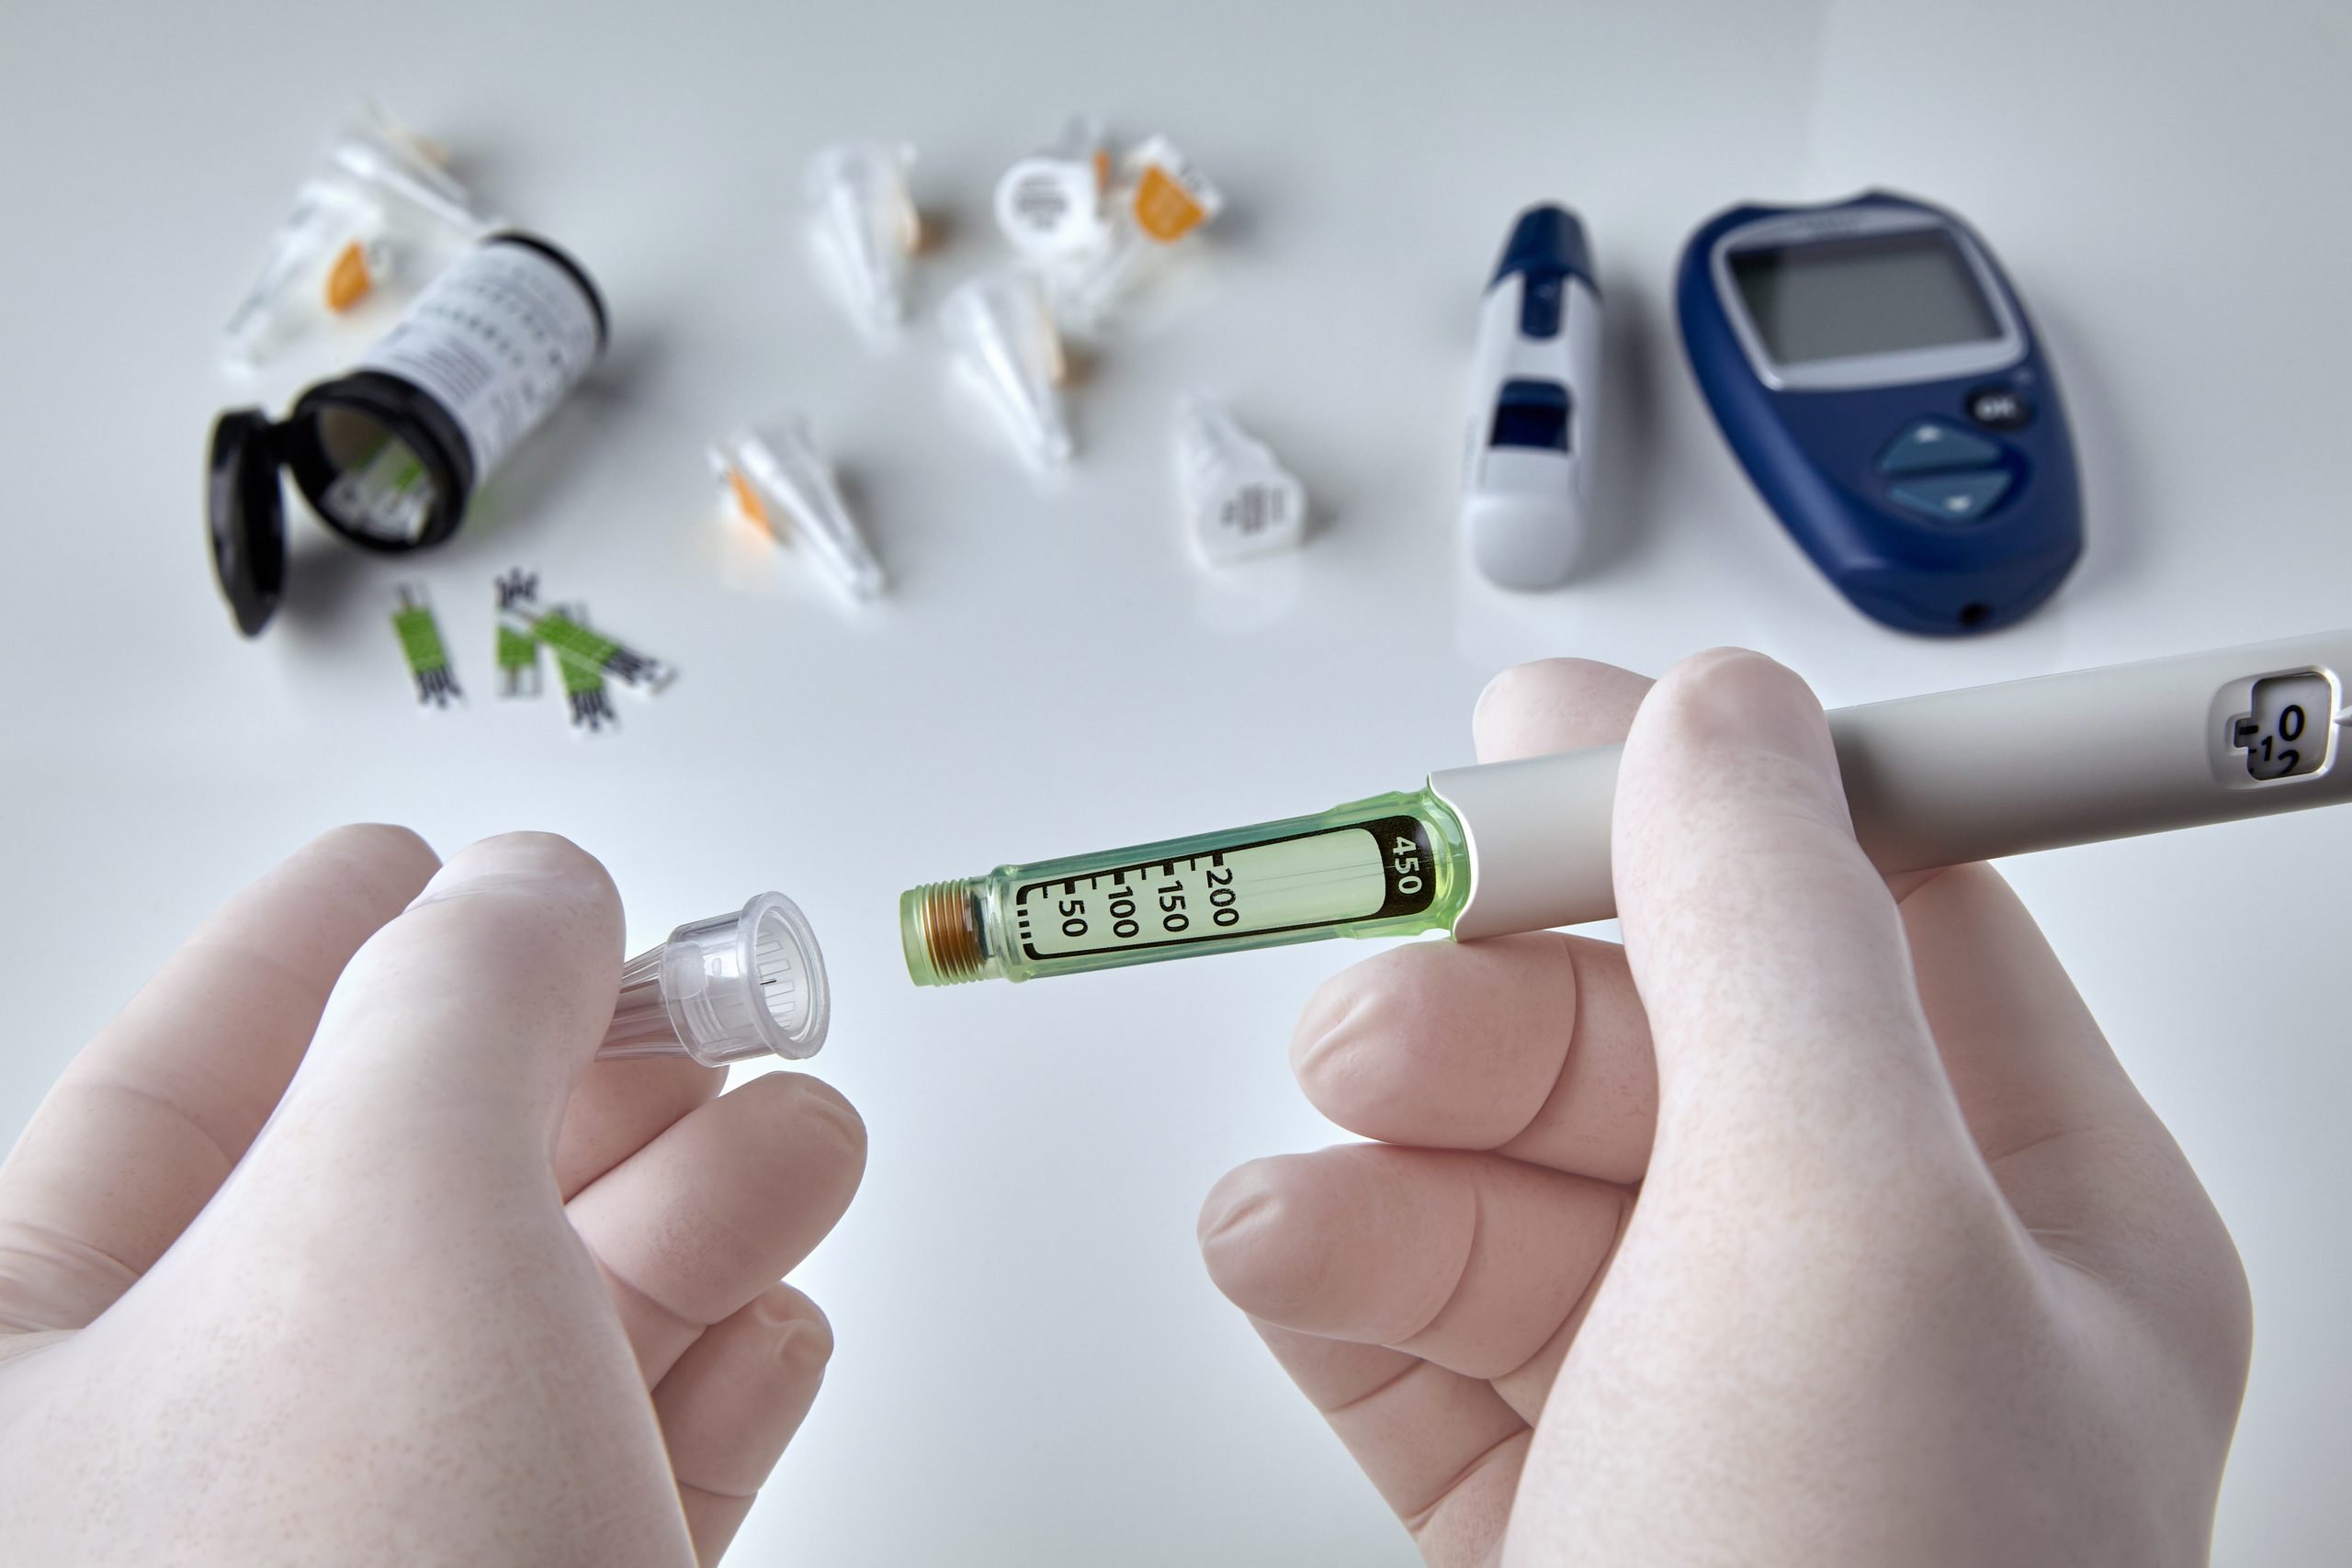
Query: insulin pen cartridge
1521,846
1525,481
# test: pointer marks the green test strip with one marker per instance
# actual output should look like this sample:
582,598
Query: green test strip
518,651
585,694
572,643
428,658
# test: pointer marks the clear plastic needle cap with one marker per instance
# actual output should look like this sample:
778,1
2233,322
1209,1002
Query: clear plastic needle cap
375,195
866,227
1050,204
378,152
1238,499
1163,197
1003,329
779,480
726,988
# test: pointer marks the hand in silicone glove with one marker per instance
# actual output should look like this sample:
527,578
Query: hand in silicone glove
1816,1225
465,1299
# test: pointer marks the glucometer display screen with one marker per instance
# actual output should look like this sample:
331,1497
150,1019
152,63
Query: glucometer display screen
1875,294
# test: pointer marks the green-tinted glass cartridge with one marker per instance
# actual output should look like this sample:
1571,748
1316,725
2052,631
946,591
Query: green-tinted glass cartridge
1393,865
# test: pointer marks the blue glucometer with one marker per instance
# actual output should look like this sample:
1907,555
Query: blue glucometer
1878,381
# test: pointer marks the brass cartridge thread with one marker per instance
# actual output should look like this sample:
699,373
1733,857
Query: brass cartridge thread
939,927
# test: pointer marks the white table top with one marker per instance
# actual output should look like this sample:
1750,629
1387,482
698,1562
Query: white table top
1028,1344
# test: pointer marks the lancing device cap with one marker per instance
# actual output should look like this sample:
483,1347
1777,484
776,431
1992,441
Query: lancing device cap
389,454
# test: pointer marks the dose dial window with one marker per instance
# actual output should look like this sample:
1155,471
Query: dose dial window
2286,733
1873,294
1376,870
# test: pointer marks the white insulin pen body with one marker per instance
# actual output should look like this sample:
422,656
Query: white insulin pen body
1525,483
1966,775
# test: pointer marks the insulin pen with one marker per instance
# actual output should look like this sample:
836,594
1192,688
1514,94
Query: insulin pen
1521,846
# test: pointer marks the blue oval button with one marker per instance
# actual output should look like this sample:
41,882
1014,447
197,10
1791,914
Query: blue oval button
1932,446
1954,498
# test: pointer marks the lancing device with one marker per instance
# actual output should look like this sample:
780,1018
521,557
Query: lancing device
1524,482
1523,846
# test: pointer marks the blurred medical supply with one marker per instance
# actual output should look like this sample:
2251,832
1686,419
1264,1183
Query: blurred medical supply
1161,197
865,226
1239,501
1853,306
1008,349
777,478
390,454
564,633
517,652
422,645
1050,204
1527,475
377,201
587,700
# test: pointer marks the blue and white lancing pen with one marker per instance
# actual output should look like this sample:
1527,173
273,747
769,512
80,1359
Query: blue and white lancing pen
1525,482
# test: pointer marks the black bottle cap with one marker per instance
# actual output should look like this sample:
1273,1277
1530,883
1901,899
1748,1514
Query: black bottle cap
248,517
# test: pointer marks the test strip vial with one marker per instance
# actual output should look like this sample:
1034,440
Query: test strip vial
389,454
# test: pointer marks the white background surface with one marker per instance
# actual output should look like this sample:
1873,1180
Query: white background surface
1032,1366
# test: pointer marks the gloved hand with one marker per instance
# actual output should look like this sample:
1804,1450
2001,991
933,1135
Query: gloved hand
335,1247
1816,1225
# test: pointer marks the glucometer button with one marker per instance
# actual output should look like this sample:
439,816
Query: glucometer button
2000,408
1953,498
1933,447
